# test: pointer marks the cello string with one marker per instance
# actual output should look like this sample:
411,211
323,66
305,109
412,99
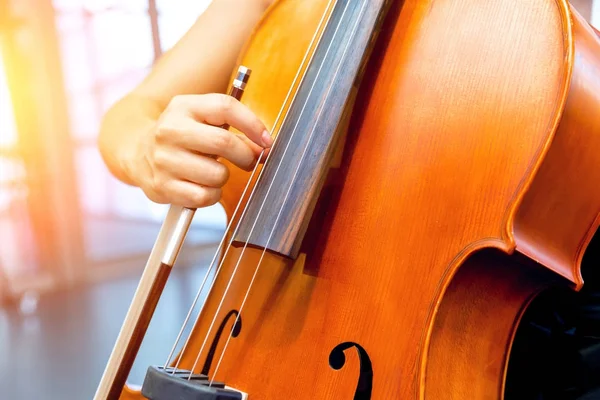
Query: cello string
285,102
354,30
264,200
187,318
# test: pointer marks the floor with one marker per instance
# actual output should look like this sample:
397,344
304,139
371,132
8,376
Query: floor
59,350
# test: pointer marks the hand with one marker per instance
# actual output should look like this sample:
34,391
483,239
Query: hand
176,162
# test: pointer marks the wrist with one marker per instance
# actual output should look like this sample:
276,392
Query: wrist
127,169
123,136
132,160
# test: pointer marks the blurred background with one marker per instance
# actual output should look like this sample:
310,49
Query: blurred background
74,240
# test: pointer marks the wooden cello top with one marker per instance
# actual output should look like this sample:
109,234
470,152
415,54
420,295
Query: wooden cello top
467,117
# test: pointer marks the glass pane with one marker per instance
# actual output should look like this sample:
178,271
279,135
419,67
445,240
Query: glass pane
69,21
136,6
596,14
122,41
92,182
99,5
117,88
84,114
172,7
67,5
173,27
176,17
19,252
77,56
11,172
8,135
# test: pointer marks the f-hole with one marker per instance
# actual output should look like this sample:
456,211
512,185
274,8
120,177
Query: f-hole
337,359
235,331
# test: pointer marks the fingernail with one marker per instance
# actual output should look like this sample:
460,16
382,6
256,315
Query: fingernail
266,139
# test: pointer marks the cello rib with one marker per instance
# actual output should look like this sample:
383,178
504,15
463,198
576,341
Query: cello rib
553,226
472,336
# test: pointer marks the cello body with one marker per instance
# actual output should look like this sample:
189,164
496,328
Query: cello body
464,184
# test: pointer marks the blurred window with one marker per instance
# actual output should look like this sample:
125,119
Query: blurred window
8,134
18,253
107,47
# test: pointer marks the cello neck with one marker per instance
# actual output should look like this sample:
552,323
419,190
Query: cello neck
310,129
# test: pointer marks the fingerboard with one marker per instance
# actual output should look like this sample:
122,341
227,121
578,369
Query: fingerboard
278,212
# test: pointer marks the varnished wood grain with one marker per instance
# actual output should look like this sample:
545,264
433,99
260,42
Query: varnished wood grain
452,127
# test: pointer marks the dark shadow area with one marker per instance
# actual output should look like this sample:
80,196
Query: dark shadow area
556,352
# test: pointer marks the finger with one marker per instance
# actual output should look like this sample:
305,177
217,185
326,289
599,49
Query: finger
263,158
260,153
193,167
212,140
253,146
191,195
219,109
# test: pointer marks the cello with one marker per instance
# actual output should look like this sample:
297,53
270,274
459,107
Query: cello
434,170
